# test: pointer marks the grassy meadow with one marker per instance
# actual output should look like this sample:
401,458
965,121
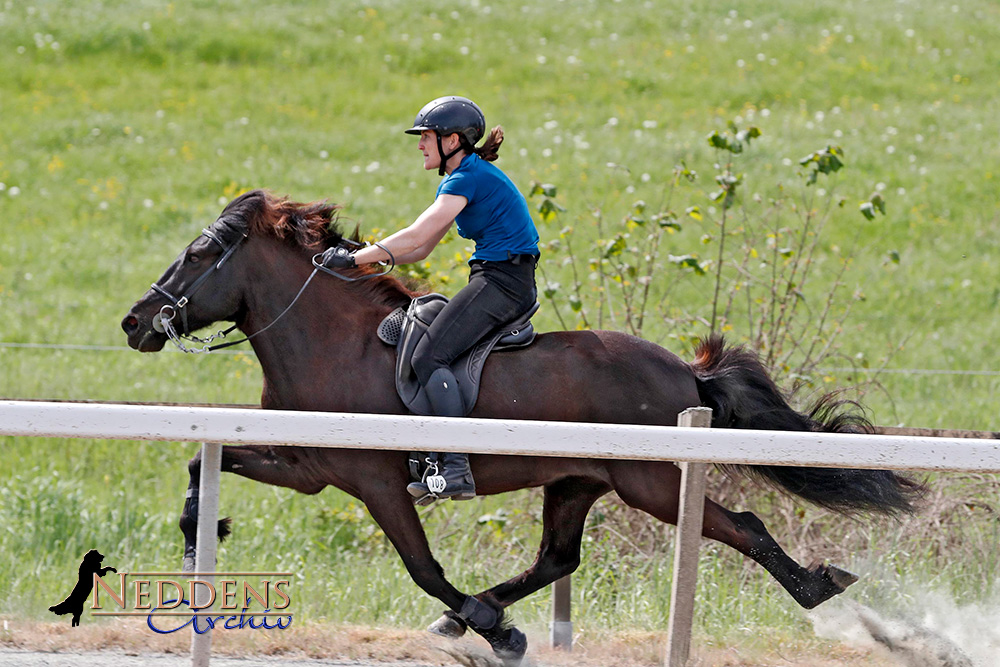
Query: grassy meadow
126,126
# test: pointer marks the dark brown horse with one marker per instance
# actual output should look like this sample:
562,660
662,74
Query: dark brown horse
322,354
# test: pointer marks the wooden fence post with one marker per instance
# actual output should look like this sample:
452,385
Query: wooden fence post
562,625
204,560
688,540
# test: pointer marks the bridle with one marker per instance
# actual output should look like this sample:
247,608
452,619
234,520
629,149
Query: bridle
163,321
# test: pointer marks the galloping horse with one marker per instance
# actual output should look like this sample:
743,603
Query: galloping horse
321,353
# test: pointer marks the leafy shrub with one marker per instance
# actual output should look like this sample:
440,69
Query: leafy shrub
755,268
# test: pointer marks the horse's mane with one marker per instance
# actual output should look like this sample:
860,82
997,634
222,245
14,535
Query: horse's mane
311,226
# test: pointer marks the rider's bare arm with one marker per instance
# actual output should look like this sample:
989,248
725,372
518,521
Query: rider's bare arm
415,242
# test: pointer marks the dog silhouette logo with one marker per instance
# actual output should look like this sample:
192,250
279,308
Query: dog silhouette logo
73,604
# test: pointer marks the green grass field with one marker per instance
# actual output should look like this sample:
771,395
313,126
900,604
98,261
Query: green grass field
125,127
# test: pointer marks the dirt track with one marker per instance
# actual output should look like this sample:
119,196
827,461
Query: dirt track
121,643
19,658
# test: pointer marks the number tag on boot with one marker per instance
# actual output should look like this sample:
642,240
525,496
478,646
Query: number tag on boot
435,483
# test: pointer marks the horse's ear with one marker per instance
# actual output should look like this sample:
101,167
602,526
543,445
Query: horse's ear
356,234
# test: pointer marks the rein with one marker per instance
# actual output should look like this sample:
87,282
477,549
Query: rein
163,320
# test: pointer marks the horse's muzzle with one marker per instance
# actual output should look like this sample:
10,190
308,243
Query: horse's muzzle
142,338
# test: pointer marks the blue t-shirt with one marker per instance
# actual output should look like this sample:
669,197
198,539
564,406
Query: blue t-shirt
496,216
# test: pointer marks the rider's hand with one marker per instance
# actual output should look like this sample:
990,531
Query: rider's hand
338,257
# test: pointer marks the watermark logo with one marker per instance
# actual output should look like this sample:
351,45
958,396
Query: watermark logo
90,571
171,601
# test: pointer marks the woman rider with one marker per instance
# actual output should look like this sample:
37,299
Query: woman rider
488,209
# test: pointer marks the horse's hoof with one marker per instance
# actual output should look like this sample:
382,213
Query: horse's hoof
840,577
446,626
188,564
513,650
827,582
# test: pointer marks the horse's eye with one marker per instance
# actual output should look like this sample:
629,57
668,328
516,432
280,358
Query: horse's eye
194,259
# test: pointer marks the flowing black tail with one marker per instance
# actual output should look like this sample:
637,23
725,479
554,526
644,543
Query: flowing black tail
733,382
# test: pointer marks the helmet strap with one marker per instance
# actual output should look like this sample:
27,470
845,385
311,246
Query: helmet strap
441,154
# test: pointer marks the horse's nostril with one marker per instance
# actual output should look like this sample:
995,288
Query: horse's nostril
130,324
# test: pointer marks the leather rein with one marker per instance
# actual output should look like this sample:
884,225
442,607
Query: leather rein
163,321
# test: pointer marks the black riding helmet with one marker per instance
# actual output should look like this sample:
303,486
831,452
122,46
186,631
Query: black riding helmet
451,115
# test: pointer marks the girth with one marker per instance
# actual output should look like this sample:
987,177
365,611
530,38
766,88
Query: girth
404,329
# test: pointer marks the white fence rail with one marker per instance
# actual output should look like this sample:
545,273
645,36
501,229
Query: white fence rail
488,436
685,444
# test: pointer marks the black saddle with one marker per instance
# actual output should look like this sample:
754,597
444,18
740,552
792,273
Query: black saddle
403,329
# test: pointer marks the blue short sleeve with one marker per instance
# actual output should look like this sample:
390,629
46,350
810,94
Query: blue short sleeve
459,183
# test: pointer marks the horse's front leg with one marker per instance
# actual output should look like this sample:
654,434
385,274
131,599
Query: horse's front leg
258,463
392,508
189,515
564,515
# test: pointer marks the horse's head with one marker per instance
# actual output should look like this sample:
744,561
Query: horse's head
206,283
197,289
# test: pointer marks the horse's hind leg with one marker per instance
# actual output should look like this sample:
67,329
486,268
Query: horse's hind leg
564,514
654,487
747,534
254,462
392,508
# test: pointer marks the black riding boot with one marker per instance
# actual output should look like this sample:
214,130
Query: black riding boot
454,478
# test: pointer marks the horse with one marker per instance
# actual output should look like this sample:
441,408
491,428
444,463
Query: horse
317,347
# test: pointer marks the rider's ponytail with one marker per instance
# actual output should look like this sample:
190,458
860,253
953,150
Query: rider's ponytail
488,151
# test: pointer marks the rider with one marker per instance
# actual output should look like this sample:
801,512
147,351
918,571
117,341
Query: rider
488,209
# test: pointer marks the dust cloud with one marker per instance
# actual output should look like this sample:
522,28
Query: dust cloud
917,629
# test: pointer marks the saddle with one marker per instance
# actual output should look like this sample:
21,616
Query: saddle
403,329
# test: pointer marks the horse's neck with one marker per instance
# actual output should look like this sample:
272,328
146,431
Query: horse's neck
323,355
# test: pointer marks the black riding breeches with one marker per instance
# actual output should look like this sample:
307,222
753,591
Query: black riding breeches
497,293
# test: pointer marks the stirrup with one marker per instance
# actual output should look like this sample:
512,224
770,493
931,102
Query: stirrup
432,479
424,501
430,497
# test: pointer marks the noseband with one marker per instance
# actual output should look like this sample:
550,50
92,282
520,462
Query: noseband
163,320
